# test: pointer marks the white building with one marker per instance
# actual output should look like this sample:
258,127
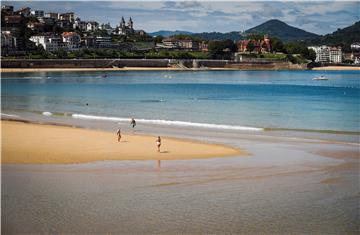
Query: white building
326,54
103,42
7,9
69,16
53,15
80,25
107,27
47,20
71,40
92,26
322,53
357,60
335,55
7,39
355,46
47,41
37,13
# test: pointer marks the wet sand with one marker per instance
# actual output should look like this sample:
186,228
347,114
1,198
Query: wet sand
34,143
355,155
283,188
287,186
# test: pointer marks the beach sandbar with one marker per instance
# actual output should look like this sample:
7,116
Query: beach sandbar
35,143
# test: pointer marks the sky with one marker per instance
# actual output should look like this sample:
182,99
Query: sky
320,17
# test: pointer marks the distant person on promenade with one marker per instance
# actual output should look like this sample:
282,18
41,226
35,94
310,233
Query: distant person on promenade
119,134
133,122
158,143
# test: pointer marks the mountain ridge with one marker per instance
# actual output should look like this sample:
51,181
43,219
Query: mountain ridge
281,30
168,33
273,27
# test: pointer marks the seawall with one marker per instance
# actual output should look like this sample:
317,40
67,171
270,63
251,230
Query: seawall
147,63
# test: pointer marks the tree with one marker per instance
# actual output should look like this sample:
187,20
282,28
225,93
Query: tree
277,45
158,39
255,36
291,58
250,46
221,49
61,54
310,54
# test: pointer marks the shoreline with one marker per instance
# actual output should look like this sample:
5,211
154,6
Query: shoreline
334,136
38,70
337,68
66,145
33,70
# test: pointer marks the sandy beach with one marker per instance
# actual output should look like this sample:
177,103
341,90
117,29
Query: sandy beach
33,70
333,68
27,70
35,143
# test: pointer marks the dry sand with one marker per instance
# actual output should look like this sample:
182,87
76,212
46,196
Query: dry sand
33,70
337,68
24,70
35,143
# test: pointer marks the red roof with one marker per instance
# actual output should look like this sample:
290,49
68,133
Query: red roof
69,34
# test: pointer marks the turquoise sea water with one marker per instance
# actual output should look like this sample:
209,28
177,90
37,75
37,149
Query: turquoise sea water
214,99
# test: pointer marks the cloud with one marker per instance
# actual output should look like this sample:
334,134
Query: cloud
316,16
185,5
189,4
169,5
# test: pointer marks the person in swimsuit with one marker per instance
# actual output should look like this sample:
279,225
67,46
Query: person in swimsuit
158,143
119,134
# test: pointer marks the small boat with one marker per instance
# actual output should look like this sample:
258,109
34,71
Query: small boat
320,78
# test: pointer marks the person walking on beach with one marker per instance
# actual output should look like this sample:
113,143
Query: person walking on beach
119,134
133,122
158,143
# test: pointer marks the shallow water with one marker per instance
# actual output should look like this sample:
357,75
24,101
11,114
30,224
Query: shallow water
277,190
259,99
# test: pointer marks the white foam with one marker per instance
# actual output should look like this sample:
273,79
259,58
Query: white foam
91,117
46,113
168,123
9,115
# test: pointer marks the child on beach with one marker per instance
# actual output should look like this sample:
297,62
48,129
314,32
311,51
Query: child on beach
158,143
133,123
119,134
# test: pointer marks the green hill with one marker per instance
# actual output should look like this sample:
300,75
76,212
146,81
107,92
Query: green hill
342,37
167,33
281,30
234,35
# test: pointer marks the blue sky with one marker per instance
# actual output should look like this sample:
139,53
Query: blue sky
319,17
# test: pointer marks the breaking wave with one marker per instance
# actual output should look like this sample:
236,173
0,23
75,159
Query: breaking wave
168,123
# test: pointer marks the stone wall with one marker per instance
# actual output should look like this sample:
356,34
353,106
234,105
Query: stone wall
267,66
109,63
83,63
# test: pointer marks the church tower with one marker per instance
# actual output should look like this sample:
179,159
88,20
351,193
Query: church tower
122,23
130,24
